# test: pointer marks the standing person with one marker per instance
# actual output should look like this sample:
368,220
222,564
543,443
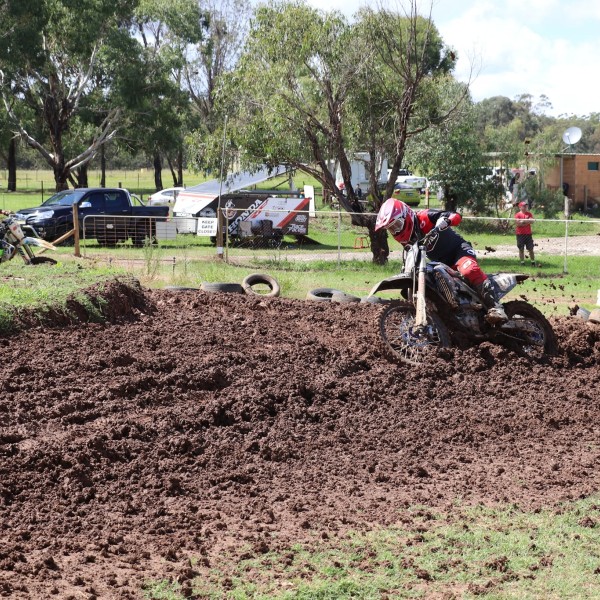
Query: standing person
407,226
513,187
523,220
358,191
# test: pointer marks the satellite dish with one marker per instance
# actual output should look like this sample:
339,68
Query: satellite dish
571,135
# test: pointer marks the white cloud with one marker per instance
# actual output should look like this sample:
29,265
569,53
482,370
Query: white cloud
528,47
537,47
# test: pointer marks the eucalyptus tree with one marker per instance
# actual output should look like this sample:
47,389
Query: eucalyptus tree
52,66
226,28
158,104
411,57
312,88
286,98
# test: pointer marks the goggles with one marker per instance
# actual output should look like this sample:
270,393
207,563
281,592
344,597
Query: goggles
396,227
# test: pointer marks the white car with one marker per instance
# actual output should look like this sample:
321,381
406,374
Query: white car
164,197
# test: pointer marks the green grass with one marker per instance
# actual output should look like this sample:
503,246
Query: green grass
469,552
46,287
190,262
35,186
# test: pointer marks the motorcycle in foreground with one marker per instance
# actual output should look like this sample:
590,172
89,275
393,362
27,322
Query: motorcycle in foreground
441,309
13,242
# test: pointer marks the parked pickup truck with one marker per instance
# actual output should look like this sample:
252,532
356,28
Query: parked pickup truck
110,215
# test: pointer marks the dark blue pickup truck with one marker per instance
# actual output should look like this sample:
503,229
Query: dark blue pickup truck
110,215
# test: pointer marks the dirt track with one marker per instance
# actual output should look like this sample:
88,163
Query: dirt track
209,422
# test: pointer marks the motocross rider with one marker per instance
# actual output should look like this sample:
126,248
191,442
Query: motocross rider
407,226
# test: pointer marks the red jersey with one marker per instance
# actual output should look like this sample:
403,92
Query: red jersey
523,228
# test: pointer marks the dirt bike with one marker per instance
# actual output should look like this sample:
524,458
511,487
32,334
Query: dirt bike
441,309
13,242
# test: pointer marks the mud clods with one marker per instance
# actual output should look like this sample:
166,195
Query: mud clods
190,423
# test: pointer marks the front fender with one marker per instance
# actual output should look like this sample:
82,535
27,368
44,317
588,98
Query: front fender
397,282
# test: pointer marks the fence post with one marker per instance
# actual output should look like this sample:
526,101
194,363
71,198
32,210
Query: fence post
76,229
339,234
566,244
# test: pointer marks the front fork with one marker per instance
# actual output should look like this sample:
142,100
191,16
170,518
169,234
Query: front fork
421,311
26,253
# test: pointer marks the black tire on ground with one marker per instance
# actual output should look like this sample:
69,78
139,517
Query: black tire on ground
228,288
42,260
258,279
344,298
321,294
536,343
403,342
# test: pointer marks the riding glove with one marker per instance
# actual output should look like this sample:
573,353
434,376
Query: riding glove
442,223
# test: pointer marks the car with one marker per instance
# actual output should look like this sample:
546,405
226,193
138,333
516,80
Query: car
164,197
110,215
407,194
418,183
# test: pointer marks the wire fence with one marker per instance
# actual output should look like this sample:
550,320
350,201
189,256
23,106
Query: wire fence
330,236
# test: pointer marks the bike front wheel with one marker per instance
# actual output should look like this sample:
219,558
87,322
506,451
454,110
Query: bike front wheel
406,342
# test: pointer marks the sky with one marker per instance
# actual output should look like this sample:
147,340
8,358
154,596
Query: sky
511,47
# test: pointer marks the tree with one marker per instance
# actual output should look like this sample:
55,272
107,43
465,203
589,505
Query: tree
411,57
226,28
157,104
298,95
52,67
285,100
451,153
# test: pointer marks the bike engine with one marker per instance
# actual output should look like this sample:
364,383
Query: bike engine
469,319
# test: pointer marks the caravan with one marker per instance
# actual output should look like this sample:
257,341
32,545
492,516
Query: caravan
360,173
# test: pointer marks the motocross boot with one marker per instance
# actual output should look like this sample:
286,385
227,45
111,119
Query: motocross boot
495,313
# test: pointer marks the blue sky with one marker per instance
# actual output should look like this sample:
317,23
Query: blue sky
512,47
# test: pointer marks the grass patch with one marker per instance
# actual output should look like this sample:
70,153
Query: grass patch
471,552
548,288
47,288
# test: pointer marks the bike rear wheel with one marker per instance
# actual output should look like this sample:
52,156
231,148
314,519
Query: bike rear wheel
535,337
404,341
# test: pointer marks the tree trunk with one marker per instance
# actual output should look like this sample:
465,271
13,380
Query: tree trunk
102,167
158,172
11,164
379,246
450,202
82,176
180,168
61,176
173,174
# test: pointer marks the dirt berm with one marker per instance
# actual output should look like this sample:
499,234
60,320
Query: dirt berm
198,423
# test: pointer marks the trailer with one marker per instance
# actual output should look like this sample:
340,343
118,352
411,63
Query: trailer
360,173
247,213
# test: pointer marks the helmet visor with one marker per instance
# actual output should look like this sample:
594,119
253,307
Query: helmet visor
396,226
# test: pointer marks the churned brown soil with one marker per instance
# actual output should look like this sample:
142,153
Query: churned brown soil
192,424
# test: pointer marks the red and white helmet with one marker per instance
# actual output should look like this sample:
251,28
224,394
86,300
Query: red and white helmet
398,218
